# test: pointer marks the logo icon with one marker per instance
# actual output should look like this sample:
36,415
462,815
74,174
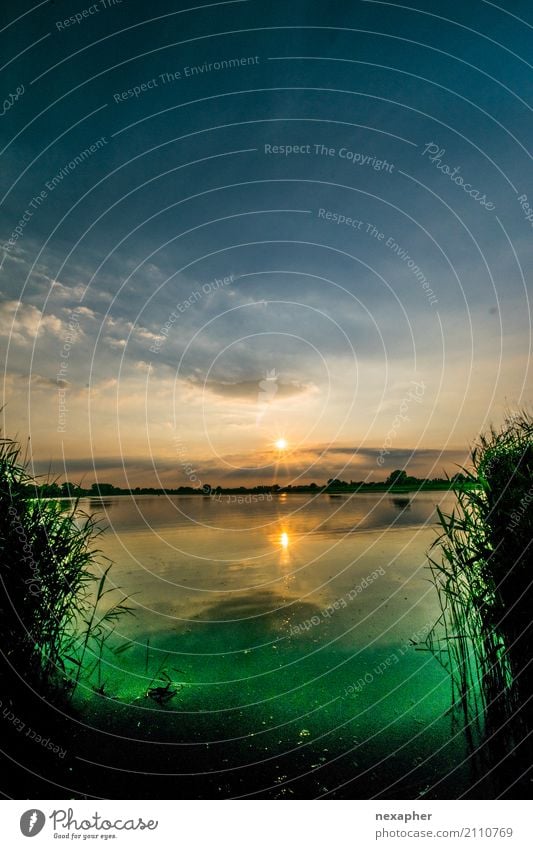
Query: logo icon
32,822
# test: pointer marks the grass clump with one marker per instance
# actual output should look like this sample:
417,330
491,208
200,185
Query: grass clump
55,619
484,579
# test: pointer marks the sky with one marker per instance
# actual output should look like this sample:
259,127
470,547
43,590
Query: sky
232,223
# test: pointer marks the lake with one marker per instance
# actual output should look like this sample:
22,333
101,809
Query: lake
292,632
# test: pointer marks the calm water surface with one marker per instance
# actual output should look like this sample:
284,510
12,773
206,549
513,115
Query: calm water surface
288,626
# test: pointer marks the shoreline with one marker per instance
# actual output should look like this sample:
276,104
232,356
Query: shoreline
269,494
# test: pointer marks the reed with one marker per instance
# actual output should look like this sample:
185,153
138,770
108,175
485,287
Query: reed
484,634
55,611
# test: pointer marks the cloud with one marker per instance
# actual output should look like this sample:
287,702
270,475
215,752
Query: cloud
22,323
121,332
317,464
251,391
85,312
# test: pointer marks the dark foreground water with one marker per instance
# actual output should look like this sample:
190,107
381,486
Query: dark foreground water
288,629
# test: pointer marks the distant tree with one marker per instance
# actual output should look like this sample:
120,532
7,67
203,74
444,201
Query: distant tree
102,489
50,490
70,490
335,484
397,478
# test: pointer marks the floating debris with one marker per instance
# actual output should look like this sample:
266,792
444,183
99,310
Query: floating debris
161,695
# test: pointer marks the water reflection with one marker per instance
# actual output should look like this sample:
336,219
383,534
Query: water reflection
176,567
100,502
402,503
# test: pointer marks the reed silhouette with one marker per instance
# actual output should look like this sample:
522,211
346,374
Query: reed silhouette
55,615
484,580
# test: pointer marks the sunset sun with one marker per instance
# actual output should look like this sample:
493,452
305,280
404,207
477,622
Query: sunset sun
281,444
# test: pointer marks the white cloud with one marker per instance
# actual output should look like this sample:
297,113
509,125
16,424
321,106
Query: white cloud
22,323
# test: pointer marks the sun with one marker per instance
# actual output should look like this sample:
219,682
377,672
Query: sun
281,444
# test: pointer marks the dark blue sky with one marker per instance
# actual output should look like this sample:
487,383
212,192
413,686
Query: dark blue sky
355,173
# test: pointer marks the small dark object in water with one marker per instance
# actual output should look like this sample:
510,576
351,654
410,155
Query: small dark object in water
162,695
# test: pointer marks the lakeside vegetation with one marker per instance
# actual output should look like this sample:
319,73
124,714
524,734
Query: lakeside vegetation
55,612
398,481
481,568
